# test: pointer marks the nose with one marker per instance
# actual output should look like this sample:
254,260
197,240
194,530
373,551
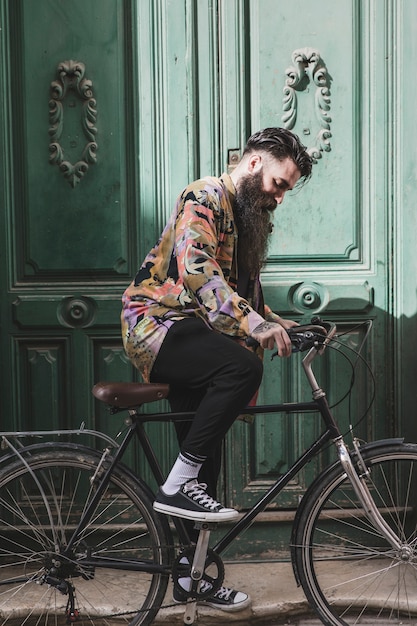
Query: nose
279,197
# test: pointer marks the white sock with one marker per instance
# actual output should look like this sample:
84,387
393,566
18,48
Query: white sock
185,468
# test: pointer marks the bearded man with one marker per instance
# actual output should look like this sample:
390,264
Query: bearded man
195,300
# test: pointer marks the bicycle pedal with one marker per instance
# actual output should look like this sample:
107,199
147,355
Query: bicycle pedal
205,525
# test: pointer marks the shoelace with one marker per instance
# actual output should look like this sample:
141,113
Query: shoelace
222,593
197,491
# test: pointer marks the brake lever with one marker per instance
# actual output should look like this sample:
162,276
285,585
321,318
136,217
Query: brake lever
302,340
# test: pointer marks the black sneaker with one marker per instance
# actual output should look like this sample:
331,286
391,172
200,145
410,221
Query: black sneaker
193,502
225,599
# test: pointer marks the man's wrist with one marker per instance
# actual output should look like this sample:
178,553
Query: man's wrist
263,327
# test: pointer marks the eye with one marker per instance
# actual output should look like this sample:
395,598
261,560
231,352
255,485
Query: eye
280,185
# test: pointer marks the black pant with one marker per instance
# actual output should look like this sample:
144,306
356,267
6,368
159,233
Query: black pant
213,375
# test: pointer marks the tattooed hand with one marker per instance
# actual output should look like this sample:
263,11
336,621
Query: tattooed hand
270,334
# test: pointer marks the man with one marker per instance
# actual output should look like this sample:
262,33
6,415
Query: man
196,299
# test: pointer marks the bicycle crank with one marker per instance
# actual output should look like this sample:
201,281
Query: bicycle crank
211,578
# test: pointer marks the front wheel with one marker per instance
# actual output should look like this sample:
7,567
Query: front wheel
349,572
107,576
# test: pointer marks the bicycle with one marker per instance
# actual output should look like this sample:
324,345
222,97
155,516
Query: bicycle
80,542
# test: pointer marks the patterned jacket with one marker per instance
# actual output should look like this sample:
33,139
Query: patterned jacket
191,271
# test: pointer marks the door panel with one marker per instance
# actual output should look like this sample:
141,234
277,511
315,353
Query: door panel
70,209
73,83
78,218
330,247
66,237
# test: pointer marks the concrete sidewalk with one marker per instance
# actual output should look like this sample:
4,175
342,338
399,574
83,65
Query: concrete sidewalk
276,599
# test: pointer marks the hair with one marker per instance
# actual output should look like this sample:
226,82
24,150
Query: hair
281,143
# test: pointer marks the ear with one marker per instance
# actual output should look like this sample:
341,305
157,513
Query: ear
254,163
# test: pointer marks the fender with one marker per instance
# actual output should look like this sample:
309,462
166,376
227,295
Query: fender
47,446
373,445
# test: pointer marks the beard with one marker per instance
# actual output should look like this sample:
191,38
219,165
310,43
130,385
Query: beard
253,218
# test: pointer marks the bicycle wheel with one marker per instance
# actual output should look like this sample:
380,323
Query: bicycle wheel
348,570
41,501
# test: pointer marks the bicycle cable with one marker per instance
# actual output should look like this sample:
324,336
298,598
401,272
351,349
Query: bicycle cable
353,364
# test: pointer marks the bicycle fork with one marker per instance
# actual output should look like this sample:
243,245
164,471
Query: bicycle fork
358,482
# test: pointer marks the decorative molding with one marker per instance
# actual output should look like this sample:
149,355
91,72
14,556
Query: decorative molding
308,297
71,78
77,312
308,67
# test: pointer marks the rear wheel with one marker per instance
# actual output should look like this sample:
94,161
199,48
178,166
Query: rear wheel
349,572
41,582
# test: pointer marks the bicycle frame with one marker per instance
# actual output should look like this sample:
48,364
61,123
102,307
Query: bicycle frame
332,432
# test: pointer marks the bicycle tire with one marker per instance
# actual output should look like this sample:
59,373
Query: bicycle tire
349,572
32,541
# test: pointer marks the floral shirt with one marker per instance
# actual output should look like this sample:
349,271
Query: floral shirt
192,271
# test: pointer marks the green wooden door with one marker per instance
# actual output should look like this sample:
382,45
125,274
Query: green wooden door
95,117
325,71
109,107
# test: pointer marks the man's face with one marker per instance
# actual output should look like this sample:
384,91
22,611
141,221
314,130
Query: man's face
278,177
267,181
